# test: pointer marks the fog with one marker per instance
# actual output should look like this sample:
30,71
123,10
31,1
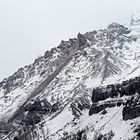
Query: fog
30,27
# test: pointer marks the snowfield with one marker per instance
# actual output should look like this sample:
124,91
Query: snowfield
51,98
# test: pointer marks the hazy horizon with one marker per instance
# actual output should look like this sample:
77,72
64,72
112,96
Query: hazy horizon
29,28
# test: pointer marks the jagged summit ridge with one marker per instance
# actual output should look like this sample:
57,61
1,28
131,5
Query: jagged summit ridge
51,98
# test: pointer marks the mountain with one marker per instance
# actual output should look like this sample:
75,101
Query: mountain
87,88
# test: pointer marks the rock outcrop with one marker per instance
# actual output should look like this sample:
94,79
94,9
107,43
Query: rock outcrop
78,90
131,109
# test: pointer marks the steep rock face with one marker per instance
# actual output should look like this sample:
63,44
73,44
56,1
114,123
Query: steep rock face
126,88
78,90
82,41
78,105
35,112
25,80
96,108
131,109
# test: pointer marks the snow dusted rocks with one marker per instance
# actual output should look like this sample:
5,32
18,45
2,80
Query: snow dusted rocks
135,25
130,88
83,89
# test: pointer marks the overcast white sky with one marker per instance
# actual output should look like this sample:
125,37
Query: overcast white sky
30,27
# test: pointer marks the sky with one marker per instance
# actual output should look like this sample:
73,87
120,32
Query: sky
30,27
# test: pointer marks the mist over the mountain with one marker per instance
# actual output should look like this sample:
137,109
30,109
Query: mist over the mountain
86,88
29,28
78,70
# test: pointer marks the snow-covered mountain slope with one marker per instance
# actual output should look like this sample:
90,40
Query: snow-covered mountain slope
83,89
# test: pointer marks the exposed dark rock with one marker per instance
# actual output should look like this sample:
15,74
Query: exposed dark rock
32,118
128,88
103,112
112,92
82,40
91,36
96,109
56,106
119,103
5,127
43,72
10,83
16,138
35,112
78,105
99,94
120,29
107,136
84,53
131,109
137,129
75,110
138,135
64,45
47,54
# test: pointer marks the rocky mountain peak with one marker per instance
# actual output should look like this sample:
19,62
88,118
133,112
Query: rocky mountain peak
82,89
